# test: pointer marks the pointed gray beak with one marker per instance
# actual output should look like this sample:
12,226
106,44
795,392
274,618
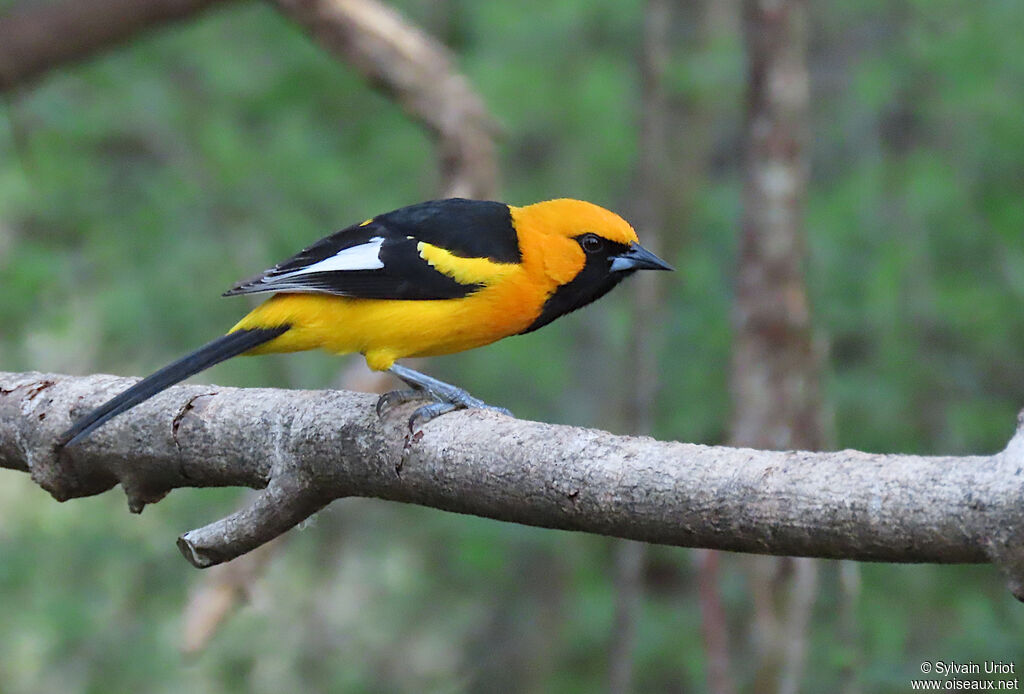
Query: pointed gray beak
638,258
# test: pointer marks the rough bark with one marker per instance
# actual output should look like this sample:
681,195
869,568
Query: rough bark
417,72
306,448
222,590
39,37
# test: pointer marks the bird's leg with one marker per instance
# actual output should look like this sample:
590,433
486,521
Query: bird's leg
446,397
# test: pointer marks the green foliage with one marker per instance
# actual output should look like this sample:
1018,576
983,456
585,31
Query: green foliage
136,187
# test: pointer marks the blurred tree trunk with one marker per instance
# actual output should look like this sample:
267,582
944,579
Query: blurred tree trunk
775,368
775,364
699,119
650,203
676,147
516,647
714,625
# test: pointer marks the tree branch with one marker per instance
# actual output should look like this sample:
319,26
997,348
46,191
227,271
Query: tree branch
305,448
393,55
38,38
419,73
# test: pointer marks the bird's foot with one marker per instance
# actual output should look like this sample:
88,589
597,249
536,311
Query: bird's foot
397,397
446,397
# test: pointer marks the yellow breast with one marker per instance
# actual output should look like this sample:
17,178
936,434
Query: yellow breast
385,330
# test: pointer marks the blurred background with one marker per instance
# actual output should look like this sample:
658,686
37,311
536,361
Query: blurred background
881,142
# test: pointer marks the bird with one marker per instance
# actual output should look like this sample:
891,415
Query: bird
432,278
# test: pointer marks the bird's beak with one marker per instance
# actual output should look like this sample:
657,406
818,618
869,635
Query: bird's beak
638,258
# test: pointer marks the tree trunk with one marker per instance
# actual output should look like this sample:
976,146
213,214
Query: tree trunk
775,370
641,389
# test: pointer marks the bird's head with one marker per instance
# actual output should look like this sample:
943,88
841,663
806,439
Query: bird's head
584,248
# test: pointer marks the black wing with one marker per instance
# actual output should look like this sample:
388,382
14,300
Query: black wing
379,258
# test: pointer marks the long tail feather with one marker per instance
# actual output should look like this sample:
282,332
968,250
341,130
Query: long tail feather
222,348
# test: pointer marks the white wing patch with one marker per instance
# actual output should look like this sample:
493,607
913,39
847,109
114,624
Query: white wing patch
365,256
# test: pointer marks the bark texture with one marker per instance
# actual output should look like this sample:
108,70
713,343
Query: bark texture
306,448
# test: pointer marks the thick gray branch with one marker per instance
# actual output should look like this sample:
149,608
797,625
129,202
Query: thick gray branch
309,447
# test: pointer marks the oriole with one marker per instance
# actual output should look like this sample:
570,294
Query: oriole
432,278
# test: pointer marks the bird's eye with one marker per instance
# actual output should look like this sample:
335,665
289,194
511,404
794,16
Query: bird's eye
592,243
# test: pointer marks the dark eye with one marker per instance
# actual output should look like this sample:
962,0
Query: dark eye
592,243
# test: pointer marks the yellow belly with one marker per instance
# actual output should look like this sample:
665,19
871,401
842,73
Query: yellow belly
385,330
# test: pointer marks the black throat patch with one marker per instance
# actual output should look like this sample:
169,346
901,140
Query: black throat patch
594,281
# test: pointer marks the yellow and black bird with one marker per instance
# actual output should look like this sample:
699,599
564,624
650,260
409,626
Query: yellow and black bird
432,278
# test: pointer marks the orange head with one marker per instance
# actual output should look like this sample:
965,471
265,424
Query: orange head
583,249
571,218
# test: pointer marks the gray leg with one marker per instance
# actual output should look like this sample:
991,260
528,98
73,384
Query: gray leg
446,397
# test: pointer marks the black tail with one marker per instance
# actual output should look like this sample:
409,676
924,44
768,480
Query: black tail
222,348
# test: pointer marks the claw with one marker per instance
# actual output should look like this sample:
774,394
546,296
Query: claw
446,397
423,414
396,397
